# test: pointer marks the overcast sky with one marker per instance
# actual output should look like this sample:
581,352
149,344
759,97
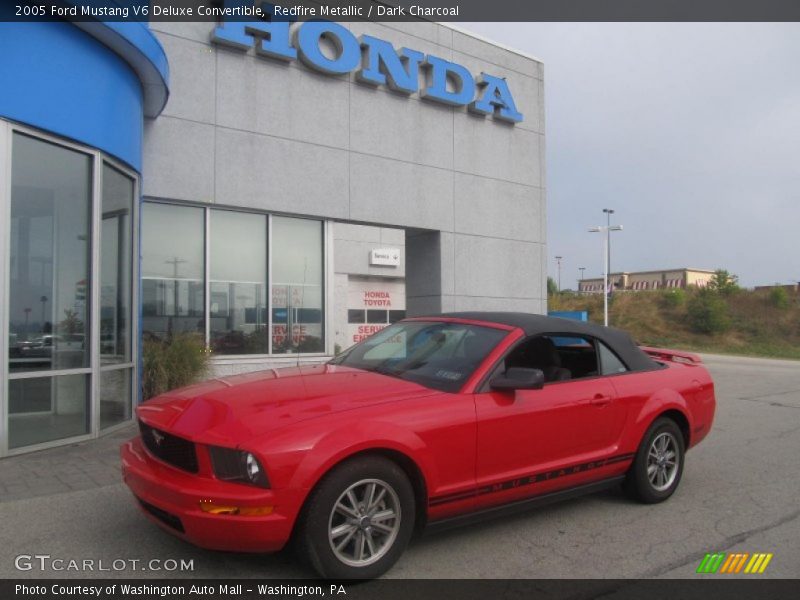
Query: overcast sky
691,132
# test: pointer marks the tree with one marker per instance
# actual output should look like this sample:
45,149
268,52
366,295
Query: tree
779,297
552,288
675,298
724,283
708,313
71,322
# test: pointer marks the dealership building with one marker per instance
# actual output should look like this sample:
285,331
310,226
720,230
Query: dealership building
279,191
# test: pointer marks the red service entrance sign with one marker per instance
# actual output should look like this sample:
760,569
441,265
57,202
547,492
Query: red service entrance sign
377,298
364,331
371,303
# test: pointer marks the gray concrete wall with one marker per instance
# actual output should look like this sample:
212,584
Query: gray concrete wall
353,243
241,130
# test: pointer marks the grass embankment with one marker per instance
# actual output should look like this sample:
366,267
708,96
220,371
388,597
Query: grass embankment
753,324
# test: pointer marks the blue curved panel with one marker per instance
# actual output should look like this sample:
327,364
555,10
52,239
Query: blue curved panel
59,78
135,43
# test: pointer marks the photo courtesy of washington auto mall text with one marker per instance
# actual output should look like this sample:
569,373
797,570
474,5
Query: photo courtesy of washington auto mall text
163,590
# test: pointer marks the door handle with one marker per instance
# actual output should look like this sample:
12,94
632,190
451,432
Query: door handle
601,400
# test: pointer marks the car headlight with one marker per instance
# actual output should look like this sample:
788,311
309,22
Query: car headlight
251,467
242,466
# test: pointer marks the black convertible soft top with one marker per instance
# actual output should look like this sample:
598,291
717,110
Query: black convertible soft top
619,341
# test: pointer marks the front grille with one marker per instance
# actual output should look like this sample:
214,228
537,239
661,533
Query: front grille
172,449
167,518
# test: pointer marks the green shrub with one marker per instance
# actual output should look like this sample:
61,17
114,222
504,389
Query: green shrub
154,372
173,363
724,283
675,298
779,297
708,313
552,287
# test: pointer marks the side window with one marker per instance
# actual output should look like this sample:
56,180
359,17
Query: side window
560,358
609,363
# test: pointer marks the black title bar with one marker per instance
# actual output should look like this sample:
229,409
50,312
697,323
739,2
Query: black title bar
402,10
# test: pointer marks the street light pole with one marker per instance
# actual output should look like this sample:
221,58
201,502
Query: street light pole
27,312
605,229
43,300
608,212
558,262
175,292
581,269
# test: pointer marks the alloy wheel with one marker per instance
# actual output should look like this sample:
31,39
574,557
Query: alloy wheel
364,522
662,461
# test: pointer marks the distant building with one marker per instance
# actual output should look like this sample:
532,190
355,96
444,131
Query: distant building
791,288
649,280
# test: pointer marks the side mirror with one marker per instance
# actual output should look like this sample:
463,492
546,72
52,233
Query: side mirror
519,378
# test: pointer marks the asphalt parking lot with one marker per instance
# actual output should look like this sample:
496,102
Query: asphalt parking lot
740,492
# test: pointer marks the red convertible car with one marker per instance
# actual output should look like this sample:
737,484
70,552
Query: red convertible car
429,423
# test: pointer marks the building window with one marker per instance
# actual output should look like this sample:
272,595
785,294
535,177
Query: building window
116,280
238,283
43,409
246,289
378,316
297,290
356,315
49,312
69,365
396,315
51,198
173,266
115,267
115,396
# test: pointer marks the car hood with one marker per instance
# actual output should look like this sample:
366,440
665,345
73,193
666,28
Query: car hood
233,410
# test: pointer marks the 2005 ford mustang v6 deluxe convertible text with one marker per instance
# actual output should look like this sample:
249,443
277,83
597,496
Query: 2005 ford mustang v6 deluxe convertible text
428,423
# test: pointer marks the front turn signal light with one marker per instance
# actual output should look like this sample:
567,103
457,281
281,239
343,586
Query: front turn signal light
224,509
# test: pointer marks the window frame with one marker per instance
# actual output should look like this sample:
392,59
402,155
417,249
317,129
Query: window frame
133,309
94,369
326,282
132,248
492,372
327,290
209,210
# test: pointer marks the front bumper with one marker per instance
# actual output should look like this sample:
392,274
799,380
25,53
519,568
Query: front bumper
171,498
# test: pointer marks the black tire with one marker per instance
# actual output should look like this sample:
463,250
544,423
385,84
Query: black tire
320,517
646,485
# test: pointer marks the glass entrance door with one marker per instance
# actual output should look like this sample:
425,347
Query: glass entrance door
69,271
51,198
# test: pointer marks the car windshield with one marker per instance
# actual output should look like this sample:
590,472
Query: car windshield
439,355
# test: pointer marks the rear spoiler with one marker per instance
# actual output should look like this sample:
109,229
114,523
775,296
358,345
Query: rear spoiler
672,355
